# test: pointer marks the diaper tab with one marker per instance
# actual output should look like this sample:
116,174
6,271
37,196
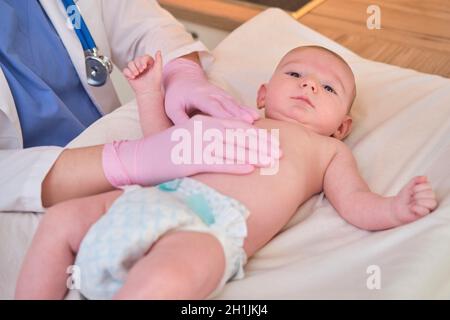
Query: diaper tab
200,206
170,186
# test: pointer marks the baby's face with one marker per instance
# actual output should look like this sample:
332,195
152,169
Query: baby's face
311,87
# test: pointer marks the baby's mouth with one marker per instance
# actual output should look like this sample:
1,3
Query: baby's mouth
303,98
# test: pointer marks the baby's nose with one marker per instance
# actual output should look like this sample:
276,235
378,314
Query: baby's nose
309,83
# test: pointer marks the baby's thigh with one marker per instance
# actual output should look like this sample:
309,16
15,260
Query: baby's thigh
180,265
71,220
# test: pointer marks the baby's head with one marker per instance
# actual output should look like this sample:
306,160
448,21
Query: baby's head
314,87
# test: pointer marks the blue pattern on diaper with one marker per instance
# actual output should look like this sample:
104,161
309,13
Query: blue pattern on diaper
196,202
200,206
170,186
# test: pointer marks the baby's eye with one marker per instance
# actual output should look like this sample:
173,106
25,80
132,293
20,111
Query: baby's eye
329,89
294,74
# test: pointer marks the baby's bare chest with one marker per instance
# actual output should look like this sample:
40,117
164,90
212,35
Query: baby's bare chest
305,160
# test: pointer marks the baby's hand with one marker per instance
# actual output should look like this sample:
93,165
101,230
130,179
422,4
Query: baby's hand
144,74
414,201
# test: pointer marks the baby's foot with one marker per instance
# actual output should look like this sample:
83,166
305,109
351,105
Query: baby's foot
144,74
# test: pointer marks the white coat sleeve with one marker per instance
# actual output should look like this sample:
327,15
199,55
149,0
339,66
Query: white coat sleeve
21,175
142,27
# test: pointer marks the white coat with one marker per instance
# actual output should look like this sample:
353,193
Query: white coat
122,29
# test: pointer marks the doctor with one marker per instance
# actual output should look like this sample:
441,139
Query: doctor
45,100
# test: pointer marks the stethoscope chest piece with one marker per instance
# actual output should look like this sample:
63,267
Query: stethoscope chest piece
98,69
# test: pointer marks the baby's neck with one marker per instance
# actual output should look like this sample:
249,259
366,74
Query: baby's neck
281,123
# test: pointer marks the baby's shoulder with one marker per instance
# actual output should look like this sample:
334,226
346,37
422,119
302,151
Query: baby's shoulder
337,144
326,149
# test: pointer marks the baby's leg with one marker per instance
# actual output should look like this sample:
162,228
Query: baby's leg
52,251
180,265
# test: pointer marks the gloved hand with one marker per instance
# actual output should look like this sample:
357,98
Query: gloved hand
152,160
187,89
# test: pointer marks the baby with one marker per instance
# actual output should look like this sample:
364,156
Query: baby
186,238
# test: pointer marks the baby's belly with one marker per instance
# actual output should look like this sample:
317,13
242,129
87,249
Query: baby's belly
271,200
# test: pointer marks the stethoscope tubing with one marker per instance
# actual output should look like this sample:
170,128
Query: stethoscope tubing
83,33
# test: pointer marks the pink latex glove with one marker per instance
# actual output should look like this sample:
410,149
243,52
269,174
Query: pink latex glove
187,90
148,161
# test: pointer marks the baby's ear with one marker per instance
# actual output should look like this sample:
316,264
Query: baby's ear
261,98
344,129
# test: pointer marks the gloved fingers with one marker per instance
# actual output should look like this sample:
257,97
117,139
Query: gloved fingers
241,112
229,104
255,115
240,145
254,137
248,149
230,123
232,154
243,134
242,108
177,115
215,109
258,152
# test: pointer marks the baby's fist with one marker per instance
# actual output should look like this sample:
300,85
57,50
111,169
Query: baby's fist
144,73
414,201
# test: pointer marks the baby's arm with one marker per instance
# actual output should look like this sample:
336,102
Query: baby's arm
352,198
144,75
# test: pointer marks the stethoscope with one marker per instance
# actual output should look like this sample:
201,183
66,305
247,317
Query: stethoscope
98,67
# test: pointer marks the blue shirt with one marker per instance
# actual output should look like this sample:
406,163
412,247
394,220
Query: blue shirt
51,101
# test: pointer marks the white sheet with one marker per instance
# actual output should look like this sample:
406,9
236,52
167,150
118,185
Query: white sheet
402,129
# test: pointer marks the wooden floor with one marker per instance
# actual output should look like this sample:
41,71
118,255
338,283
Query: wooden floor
414,33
